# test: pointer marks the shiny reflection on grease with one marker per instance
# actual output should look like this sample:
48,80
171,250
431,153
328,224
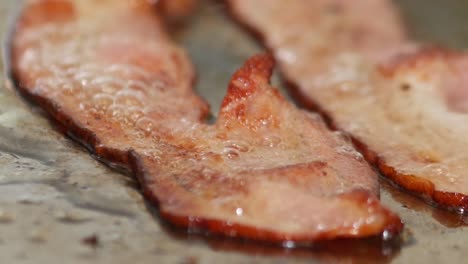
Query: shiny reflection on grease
444,217
370,250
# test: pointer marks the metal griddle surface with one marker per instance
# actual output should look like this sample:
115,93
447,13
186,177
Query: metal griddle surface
59,205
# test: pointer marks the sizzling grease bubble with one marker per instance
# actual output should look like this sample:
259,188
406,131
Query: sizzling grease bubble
370,220
321,227
146,125
138,86
84,77
209,173
289,244
128,100
287,56
69,89
440,170
192,221
91,67
66,67
239,211
102,101
185,120
109,84
345,86
242,82
158,85
341,136
43,85
85,106
239,145
69,72
357,225
118,112
231,153
350,151
128,71
69,61
135,114
272,141
66,88
386,235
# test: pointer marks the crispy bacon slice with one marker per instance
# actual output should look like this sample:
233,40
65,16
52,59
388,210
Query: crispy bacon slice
406,111
108,74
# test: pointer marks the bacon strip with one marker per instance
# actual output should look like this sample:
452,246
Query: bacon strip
404,106
107,72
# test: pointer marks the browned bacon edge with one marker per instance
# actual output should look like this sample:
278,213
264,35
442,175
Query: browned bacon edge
422,188
66,125
392,226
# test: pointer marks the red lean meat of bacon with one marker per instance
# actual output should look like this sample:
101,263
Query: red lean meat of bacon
406,112
107,73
